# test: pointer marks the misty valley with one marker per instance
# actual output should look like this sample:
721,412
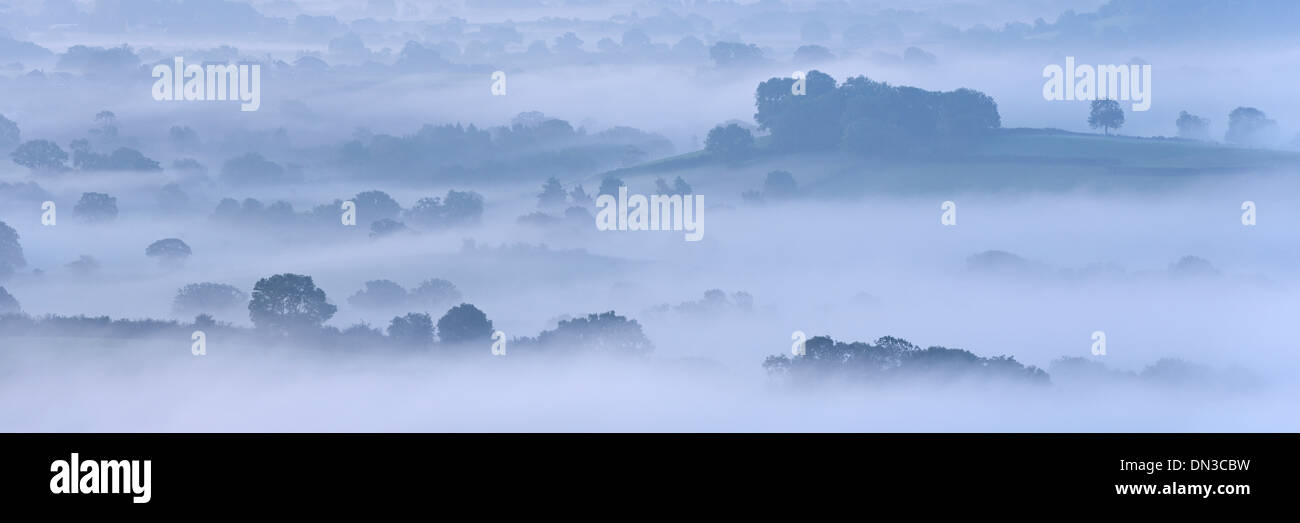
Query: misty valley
490,215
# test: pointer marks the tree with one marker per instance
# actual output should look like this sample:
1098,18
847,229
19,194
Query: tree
965,115
8,304
732,54
251,168
288,302
386,227
10,136
462,208
568,43
606,333
1106,114
779,185
183,137
809,121
434,292
458,208
609,185
413,330
379,294
168,251
373,206
127,159
1192,127
552,195
731,143
84,265
1249,126
41,156
579,197
11,252
198,298
96,207
811,54
107,122
464,323
679,187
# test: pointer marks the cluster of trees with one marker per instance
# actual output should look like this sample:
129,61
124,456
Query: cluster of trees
208,298
860,116
865,116
532,142
387,294
381,212
291,307
45,156
574,202
1246,125
891,359
168,251
715,301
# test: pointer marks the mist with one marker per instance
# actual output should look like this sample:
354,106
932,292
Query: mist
473,290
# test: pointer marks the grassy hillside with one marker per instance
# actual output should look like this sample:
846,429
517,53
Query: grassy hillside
1012,159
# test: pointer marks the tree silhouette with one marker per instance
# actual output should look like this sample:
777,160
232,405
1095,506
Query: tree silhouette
464,323
11,252
1106,114
94,207
412,330
41,156
287,302
1192,127
552,195
205,297
169,250
1249,126
8,304
731,143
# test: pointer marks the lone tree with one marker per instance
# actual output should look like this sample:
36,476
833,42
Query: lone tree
288,302
731,143
435,292
200,298
552,195
11,252
96,207
379,294
412,330
41,156
168,251
780,185
1249,126
1106,114
1193,127
373,206
464,323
